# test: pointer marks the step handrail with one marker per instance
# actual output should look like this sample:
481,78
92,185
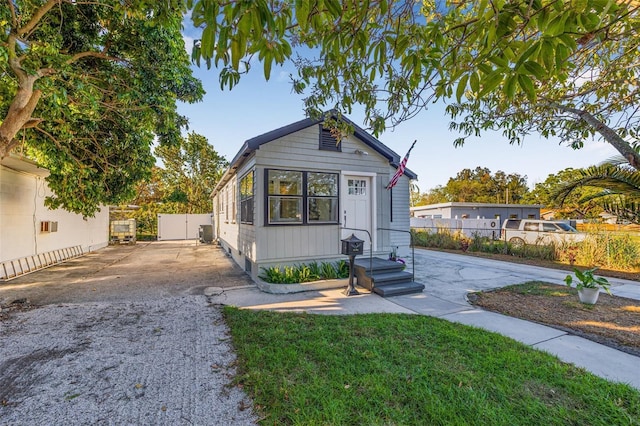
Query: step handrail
413,249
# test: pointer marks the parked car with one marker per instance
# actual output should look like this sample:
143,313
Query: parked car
533,231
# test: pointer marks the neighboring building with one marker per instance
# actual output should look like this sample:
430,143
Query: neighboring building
477,211
290,196
28,228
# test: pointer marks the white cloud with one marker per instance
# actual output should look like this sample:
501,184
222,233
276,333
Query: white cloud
188,43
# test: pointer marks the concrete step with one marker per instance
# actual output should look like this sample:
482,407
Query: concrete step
366,265
390,277
398,289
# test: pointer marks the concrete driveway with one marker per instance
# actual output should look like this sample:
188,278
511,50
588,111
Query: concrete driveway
125,336
129,272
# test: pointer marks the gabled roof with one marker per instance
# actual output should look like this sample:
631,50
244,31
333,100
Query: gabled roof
250,145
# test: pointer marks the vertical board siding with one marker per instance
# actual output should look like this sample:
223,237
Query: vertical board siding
401,217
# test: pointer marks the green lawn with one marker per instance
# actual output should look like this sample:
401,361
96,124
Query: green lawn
389,369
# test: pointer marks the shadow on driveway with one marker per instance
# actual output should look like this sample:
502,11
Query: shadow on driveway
147,270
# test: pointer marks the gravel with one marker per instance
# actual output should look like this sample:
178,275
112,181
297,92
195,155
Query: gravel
166,361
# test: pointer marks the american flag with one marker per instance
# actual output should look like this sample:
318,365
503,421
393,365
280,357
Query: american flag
401,167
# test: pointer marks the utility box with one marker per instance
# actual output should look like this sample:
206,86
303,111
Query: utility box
123,231
206,234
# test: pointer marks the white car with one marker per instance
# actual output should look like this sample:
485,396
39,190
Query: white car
533,231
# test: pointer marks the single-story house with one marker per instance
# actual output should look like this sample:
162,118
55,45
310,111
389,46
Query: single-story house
290,195
477,211
31,234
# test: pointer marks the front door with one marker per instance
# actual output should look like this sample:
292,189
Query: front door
356,208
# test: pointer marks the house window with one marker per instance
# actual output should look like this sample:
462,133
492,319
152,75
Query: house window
285,196
246,198
226,205
328,142
295,197
322,197
234,206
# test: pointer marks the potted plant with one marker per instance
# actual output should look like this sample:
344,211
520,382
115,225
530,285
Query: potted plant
588,285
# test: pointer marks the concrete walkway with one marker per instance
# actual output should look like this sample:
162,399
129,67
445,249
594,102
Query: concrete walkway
448,279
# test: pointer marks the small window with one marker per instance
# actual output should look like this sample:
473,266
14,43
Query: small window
356,187
246,198
234,206
328,142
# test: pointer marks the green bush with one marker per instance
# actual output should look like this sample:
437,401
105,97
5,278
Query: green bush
302,273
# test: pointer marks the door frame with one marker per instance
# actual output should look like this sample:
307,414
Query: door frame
372,202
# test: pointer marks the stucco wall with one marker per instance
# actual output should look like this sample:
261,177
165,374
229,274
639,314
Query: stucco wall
22,209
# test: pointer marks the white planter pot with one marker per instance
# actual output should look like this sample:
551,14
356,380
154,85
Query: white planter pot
588,295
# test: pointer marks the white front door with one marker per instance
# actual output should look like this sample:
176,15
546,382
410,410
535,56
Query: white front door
356,208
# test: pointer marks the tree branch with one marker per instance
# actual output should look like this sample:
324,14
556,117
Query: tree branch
37,17
99,55
610,135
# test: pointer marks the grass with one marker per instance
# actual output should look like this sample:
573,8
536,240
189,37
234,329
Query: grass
389,369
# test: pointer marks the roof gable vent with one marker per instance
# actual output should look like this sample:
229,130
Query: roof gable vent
328,142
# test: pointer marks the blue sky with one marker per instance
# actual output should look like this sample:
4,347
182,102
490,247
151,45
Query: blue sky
255,106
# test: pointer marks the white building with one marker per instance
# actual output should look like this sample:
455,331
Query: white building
29,230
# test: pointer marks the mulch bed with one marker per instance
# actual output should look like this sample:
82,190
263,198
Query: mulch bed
613,321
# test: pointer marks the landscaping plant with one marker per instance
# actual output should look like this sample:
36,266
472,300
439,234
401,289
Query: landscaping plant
586,279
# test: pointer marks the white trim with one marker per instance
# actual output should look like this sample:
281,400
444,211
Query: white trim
374,202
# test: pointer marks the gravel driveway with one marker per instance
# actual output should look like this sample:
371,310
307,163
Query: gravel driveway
123,336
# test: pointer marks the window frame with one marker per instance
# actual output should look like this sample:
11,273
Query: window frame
247,198
304,198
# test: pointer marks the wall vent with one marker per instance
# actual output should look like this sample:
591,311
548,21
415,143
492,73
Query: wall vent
48,226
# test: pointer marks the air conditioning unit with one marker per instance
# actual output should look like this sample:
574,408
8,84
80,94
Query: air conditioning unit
48,226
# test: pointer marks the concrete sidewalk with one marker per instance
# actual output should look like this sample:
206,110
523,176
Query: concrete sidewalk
448,279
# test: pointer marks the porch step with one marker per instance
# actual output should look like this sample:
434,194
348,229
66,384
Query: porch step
385,277
398,289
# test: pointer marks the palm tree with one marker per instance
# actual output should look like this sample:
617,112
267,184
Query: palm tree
619,186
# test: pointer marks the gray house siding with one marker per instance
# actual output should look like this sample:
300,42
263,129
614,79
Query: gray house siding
296,148
401,217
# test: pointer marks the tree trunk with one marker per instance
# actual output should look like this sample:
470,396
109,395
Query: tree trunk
19,114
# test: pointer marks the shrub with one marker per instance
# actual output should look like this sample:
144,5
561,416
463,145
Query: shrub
302,273
602,249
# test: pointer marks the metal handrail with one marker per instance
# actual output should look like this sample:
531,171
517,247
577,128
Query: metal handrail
413,249
370,245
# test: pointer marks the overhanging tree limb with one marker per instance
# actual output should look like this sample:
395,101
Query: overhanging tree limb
609,134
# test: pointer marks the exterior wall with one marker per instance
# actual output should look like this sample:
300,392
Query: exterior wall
299,151
226,214
401,217
477,211
22,209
